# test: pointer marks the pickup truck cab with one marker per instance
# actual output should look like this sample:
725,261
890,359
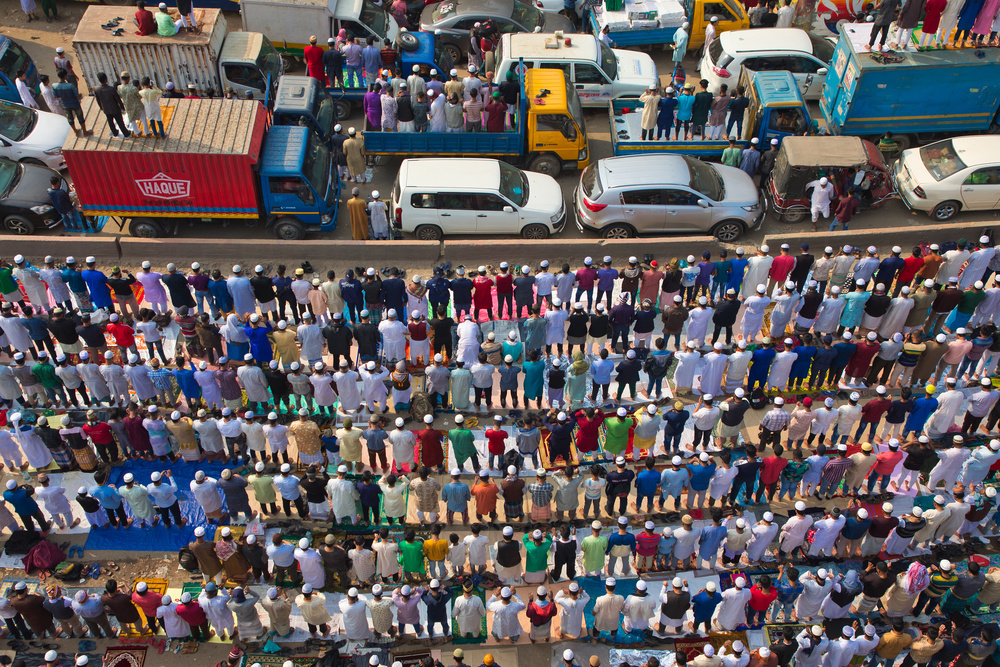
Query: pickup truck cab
598,72
13,59
301,100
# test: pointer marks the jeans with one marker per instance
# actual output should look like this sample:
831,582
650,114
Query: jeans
655,387
201,298
619,331
354,77
755,617
733,120
829,486
613,564
925,603
871,426
787,487
672,443
590,296
648,499
833,225
882,486
436,569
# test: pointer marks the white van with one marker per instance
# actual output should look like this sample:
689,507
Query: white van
599,72
435,197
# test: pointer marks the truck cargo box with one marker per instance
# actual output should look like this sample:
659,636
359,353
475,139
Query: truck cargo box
204,168
183,58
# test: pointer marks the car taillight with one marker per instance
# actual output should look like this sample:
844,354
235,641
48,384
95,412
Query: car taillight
919,191
592,206
721,71
399,215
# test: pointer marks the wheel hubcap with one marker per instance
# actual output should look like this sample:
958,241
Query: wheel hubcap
728,233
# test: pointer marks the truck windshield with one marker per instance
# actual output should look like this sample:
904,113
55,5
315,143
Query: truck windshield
526,15
10,174
12,60
705,179
316,165
16,122
941,160
374,18
609,61
513,184
574,106
326,114
268,60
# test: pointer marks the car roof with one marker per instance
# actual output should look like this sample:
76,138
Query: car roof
640,170
766,39
532,45
449,173
485,8
825,151
978,150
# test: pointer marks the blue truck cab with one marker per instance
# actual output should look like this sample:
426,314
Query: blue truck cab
13,59
413,48
300,191
866,94
776,110
301,100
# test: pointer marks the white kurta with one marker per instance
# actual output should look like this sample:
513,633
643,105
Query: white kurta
571,613
175,626
506,623
813,658
355,619
687,542
892,321
949,465
638,610
934,518
311,565
684,371
781,315
607,612
34,448
780,368
954,521
986,310
403,445
217,612
756,274
347,387
343,495
943,418
753,316
468,343
828,317
697,324
733,608
812,596
393,339
469,612
793,533
712,373
827,532
394,497
736,370
763,535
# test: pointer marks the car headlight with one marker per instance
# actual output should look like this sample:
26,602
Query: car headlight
41,210
54,151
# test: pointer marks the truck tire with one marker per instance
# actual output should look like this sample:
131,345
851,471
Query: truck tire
946,210
145,228
289,229
428,233
618,231
19,225
343,108
545,164
407,41
728,230
453,52
535,232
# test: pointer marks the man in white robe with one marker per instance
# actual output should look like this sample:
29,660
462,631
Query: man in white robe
815,588
311,564
732,610
469,611
638,609
571,606
758,268
343,494
372,379
737,366
828,317
957,509
468,342
977,263
698,319
793,533
355,617
713,372
505,609
213,602
942,419
777,377
934,518
785,306
827,531
987,308
393,337
753,315
763,535
608,609
347,387
950,461
894,318
813,644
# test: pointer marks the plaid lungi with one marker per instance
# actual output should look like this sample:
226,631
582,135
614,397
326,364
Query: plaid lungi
543,513
513,510
86,459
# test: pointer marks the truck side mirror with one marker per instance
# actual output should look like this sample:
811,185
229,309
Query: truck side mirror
702,203
822,71
508,209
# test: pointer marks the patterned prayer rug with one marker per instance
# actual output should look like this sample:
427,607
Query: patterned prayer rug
125,656
692,646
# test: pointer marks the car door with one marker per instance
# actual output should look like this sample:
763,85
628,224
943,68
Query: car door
981,189
643,209
591,83
491,218
809,73
682,212
456,212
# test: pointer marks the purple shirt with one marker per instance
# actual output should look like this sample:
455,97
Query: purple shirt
606,279
406,608
199,282
586,278
705,277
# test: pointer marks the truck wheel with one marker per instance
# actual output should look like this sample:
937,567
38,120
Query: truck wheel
145,228
793,217
728,230
545,164
620,231
289,229
343,109
407,41
946,210
535,232
453,52
16,224
428,233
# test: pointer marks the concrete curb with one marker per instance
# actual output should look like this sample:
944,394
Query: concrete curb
34,248
862,238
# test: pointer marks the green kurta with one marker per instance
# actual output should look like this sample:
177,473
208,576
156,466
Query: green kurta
594,548
536,556
462,444
412,556
138,501
616,438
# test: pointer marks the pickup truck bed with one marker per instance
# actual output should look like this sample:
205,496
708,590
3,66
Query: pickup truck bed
625,39
626,136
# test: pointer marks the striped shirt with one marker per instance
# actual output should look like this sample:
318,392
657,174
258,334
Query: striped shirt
541,493
835,469
940,584
646,543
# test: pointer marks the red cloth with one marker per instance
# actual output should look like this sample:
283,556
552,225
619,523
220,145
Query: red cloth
759,600
886,462
192,612
482,297
541,615
862,359
313,55
146,22
123,334
933,17
418,330
773,465
505,281
497,441
431,454
873,410
588,431
100,433
781,267
911,264
148,603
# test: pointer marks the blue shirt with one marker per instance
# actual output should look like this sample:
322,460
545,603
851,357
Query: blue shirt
462,289
803,360
108,496
375,439
844,351
824,357
760,361
736,277
666,545
672,482
646,482
73,278
22,503
701,476
220,294
685,103
601,369
371,58
855,528
456,497
606,279
187,383
710,540
36,327
617,539
704,606
922,409
282,285
97,283
673,421
787,591
437,290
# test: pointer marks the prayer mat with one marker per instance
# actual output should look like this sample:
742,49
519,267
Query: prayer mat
774,632
269,660
640,657
728,579
124,656
545,457
458,639
594,587
7,587
158,586
409,659
692,646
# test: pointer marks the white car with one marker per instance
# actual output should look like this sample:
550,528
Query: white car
29,135
437,197
949,176
549,5
806,56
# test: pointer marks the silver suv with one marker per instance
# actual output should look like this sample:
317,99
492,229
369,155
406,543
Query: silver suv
622,197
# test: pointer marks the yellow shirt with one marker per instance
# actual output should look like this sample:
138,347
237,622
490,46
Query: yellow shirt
306,436
435,549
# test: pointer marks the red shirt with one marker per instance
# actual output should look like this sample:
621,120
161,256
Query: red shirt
759,600
541,615
483,295
873,410
122,333
505,281
147,24
418,331
587,434
431,454
148,603
886,462
781,267
910,267
861,359
192,613
313,55
497,441
773,465
100,433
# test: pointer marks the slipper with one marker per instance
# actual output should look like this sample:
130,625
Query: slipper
86,645
160,645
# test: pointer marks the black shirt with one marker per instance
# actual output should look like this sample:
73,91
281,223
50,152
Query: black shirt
803,263
510,91
619,483
882,526
338,338
122,286
333,63
600,326
508,553
749,469
644,320
671,282
877,305
676,605
92,335
278,383
734,415
461,288
783,650
315,489
367,336
442,329
394,295
89,503
263,289
810,305
726,312
372,290
64,330
404,110
180,291
577,324
109,100
557,378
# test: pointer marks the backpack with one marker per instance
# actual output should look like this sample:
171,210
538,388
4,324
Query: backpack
67,571
187,560
21,542
758,399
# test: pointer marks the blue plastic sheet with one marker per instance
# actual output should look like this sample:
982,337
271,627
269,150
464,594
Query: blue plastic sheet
159,537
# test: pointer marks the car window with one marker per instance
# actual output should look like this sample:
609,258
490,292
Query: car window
752,64
456,201
245,75
679,198
988,176
642,197
560,66
506,25
719,9
513,66
423,200
486,201
291,185
587,73
802,65
822,48
463,24
771,63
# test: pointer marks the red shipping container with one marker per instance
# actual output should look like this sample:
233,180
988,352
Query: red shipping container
204,168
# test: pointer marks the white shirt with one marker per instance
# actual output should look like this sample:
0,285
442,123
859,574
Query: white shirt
175,625
704,417
163,495
54,498
479,549
821,194
355,619
207,494
571,612
469,612
27,97
288,486
277,437
311,565
505,616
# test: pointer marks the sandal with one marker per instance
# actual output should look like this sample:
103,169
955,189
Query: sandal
159,644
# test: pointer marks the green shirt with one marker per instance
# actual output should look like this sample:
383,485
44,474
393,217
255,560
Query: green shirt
731,157
536,557
594,549
967,305
46,375
412,556
7,284
165,24
616,438
263,489
462,443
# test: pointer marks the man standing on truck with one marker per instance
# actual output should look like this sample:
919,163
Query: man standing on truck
510,89
134,109
371,60
111,104
737,109
69,98
352,61
313,55
710,33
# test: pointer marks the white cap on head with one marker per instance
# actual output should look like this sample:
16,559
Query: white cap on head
568,655
508,531
862,513
709,650
677,582
741,523
764,651
945,565
800,506
51,656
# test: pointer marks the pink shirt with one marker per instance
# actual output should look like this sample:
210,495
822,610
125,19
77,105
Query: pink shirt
957,349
